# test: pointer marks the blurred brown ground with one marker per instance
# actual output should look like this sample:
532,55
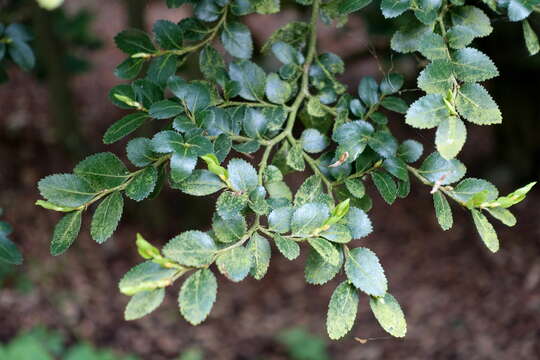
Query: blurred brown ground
461,302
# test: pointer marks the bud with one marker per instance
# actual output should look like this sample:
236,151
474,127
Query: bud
145,249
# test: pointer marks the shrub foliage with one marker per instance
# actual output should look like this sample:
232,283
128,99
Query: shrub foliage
239,111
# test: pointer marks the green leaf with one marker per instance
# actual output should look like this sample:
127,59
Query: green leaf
358,223
229,230
356,187
102,171
318,271
236,39
295,158
368,90
168,35
277,90
391,84
165,109
235,263
65,232
124,127
365,272
66,190
162,68
450,137
503,215
427,112
389,315
142,184
531,39
437,78
352,137
146,276
287,54
200,183
250,77
140,152
230,205
409,38
341,311
443,211
349,6
287,247
383,143
394,8
472,18
433,46
22,54
129,68
427,10
242,175
143,303
520,9
134,41
211,63
197,296
313,141
410,151
460,36
279,220
437,169
385,185
9,252
471,65
396,167
261,253
107,217
191,248
309,217
485,230
395,104
267,6
326,250
476,105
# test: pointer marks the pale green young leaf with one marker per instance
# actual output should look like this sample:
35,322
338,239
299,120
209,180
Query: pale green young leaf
259,247
65,232
146,276
337,233
443,211
191,248
476,105
235,263
106,217
450,137
365,272
287,247
389,315
197,296
342,311
143,303
516,196
468,188
485,230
